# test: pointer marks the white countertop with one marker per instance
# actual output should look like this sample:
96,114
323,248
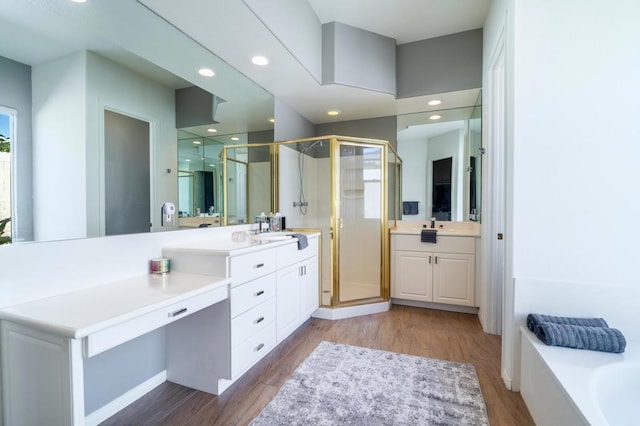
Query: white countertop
227,247
81,313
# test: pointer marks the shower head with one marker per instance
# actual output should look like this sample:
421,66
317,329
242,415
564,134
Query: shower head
313,145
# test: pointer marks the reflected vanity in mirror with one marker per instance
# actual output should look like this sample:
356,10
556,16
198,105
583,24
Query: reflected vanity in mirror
442,164
69,66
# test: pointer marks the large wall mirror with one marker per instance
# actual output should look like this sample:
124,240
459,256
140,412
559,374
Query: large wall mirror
65,72
442,163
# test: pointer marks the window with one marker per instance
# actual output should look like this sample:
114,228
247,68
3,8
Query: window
7,124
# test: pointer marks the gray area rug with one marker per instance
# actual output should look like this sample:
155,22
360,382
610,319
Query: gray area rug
343,384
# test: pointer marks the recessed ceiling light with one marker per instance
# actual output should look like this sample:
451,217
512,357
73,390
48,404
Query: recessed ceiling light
197,143
333,112
435,117
435,102
235,138
260,60
79,1
206,72
271,120
212,130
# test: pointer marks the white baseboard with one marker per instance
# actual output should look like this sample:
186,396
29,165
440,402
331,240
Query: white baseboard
439,306
108,410
507,380
351,311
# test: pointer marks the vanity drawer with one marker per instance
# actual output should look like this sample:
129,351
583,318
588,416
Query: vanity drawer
252,350
252,321
110,337
289,254
248,295
447,244
252,265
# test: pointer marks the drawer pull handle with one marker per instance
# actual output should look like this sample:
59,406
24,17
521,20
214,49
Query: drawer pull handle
260,346
260,293
429,259
259,320
178,312
259,265
436,259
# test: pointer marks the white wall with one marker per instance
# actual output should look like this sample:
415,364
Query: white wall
414,176
572,148
59,148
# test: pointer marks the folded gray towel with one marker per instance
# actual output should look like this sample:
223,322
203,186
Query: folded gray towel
429,236
534,320
602,339
302,240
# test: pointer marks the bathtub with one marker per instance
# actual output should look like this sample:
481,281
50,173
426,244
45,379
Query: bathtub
577,387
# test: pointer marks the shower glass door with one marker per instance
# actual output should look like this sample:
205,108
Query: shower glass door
359,214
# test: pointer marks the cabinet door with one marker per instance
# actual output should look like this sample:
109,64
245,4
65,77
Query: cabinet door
310,287
453,279
287,300
413,275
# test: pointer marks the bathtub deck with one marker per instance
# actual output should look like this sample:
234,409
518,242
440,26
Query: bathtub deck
562,377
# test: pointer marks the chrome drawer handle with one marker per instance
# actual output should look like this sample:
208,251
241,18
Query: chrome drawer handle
259,265
260,346
178,312
259,320
260,293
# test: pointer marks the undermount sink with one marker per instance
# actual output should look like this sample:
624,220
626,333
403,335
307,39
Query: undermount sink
272,236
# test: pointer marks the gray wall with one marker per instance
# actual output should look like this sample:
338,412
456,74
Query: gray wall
439,65
289,124
135,362
384,128
259,154
15,92
355,57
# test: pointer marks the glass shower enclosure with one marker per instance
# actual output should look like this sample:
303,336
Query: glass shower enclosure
346,188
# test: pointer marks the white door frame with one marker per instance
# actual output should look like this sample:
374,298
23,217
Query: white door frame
495,206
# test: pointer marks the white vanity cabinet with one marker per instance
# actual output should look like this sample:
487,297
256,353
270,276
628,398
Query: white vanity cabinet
297,286
48,343
442,272
274,289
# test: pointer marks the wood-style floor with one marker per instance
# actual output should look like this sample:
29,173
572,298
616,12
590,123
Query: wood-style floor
415,331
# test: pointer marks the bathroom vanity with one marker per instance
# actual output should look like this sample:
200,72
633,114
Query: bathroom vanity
223,306
434,273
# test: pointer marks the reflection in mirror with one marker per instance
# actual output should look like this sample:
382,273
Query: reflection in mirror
247,182
442,164
65,66
7,117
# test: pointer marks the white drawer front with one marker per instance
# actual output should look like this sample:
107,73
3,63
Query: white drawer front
252,265
446,244
252,350
289,254
252,321
248,295
113,336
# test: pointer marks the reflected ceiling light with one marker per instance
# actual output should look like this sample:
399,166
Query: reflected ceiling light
271,120
435,102
79,1
212,165
197,143
212,130
435,117
235,138
333,112
187,160
206,72
260,60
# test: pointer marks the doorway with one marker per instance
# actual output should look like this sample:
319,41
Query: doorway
127,170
